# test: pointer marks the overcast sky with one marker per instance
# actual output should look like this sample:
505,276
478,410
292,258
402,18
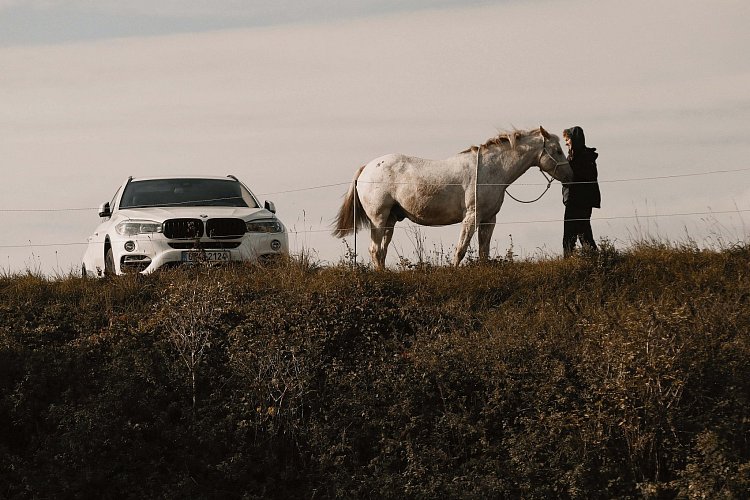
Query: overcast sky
289,97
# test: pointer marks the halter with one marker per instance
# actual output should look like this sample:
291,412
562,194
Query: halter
545,151
548,179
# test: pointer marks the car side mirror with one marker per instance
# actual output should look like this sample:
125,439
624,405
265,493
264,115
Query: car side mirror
270,207
104,210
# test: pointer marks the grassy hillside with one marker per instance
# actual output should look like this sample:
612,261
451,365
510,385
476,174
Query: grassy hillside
619,375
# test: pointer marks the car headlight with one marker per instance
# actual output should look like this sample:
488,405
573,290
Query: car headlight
264,226
133,227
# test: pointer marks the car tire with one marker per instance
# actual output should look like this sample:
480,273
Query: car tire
83,271
109,263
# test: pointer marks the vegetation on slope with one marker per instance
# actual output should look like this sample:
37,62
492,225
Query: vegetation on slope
614,375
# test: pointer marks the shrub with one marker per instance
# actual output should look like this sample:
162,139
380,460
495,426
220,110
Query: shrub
616,374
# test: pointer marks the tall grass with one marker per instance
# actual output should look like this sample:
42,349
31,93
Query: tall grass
615,374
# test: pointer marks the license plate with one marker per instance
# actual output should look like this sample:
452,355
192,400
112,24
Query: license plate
212,256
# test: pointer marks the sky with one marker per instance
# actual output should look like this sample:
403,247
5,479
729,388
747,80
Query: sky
292,97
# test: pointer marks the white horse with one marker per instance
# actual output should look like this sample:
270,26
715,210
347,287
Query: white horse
468,188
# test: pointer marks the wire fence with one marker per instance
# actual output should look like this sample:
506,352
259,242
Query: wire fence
348,183
327,229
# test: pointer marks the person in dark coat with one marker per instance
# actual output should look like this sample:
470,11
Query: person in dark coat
582,194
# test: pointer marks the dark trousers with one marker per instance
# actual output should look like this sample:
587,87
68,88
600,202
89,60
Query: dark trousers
577,225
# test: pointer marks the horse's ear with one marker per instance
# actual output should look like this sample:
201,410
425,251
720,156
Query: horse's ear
544,133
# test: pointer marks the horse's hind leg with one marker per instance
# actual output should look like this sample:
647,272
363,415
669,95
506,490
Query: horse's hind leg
381,233
388,234
377,253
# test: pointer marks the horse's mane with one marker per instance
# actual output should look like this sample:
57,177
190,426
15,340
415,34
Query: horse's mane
507,139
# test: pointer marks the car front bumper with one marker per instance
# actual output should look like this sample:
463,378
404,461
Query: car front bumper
147,253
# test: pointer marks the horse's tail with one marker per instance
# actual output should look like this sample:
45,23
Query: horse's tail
345,220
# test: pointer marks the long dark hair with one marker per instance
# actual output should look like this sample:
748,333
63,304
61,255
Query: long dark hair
577,140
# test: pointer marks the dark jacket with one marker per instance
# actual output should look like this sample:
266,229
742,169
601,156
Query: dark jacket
583,162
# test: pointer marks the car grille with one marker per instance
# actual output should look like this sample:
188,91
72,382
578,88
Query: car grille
225,228
183,228
220,228
207,245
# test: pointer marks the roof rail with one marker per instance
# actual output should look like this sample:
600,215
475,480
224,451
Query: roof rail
233,177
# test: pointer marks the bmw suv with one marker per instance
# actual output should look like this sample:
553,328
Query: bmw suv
166,221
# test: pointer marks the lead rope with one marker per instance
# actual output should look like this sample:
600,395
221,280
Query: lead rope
549,184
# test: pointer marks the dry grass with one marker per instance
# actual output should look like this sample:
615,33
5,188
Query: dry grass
618,374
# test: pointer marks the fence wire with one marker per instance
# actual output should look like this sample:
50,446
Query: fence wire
339,184
318,229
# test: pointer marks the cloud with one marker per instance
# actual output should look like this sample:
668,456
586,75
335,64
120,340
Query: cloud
279,9
54,21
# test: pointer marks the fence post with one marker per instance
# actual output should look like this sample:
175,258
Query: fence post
476,197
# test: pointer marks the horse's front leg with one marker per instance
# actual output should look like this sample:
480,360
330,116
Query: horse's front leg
485,237
467,231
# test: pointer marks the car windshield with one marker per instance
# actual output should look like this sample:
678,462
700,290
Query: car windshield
186,193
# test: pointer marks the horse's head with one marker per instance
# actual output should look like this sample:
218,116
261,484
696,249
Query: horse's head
551,157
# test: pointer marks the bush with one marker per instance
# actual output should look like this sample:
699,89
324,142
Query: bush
616,374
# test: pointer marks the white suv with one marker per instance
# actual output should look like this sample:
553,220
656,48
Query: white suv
165,221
